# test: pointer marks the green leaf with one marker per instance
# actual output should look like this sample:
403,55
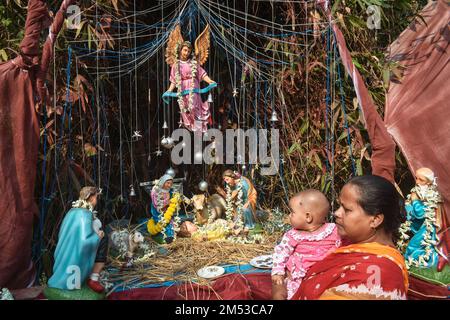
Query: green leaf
3,55
386,77
335,6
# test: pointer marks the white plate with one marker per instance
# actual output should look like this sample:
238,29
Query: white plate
262,262
211,272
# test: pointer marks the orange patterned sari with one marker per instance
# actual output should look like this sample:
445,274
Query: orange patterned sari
367,271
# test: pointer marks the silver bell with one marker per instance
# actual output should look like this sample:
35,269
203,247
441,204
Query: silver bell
132,192
274,117
203,185
210,98
165,126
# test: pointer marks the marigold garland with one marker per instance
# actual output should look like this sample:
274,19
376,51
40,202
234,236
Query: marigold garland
155,228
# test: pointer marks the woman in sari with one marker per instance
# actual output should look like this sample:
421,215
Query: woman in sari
369,267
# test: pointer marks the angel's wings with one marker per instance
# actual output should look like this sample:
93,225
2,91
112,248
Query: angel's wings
202,46
175,38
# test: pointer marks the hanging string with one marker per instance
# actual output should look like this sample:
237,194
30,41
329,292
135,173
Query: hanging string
97,97
120,124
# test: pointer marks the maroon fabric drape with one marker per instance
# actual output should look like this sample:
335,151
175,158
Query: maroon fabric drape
19,142
383,147
417,111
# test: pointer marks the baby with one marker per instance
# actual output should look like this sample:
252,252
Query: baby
309,241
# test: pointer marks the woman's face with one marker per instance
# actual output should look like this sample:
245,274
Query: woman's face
229,181
352,222
168,184
185,53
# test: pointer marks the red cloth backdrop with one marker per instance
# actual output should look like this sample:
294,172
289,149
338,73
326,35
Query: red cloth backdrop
383,147
19,142
255,286
417,111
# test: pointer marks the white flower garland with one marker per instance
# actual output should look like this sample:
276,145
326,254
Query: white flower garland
193,66
229,204
5,294
159,207
83,204
239,205
431,201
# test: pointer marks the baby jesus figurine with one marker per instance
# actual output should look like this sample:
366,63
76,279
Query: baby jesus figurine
426,225
186,74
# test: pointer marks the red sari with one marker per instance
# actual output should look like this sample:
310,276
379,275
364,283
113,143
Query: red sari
365,271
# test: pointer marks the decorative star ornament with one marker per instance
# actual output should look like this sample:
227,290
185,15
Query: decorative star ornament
158,153
136,136
235,92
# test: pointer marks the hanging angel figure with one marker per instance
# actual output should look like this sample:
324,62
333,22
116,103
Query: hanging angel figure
186,74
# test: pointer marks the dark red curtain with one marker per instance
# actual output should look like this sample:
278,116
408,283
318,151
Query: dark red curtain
19,142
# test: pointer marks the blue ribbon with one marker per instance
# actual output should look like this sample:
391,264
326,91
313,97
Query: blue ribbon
167,95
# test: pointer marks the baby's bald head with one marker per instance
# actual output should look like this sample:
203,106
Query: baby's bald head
314,202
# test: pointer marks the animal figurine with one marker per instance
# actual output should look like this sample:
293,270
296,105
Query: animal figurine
125,242
134,240
208,208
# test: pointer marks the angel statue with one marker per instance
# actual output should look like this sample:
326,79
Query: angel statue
186,74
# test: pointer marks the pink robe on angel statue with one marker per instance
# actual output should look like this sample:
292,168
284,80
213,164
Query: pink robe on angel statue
195,115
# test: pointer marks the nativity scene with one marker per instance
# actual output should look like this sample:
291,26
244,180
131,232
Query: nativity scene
99,204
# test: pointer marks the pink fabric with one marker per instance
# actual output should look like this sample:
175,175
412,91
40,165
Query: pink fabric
299,250
165,198
417,104
198,118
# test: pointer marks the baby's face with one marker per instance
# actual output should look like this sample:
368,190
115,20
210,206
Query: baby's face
297,216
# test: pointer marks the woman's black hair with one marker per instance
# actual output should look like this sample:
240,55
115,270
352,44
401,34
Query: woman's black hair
378,195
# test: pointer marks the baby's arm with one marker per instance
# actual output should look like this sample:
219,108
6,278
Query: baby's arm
281,255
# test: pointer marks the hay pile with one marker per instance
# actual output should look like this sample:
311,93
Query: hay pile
185,257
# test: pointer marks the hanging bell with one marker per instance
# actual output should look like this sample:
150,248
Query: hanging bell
210,98
165,126
274,117
132,192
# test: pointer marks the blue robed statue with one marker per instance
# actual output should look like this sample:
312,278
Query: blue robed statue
82,246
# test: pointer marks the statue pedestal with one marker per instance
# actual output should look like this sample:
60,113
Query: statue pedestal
85,293
428,283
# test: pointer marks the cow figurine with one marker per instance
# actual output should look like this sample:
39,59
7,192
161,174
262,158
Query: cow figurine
205,206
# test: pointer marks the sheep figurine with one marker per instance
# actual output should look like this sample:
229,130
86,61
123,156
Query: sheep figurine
134,240
125,242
